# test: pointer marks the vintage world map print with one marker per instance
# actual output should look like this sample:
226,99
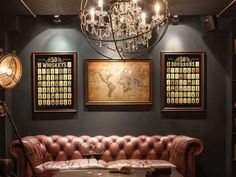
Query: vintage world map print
118,82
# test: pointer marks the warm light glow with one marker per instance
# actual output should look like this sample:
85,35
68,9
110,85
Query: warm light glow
174,42
92,13
6,70
9,72
3,69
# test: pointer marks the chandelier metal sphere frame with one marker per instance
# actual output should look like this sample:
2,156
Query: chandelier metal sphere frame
122,28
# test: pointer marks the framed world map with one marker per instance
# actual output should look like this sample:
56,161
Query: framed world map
118,82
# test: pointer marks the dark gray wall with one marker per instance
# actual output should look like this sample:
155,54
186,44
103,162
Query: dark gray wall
39,35
2,121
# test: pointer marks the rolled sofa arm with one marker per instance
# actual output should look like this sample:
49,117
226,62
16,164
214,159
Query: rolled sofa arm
183,150
35,151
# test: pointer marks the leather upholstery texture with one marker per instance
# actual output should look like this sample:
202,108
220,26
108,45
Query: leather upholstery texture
177,149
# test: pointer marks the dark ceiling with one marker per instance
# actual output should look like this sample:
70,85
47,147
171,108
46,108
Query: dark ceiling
71,7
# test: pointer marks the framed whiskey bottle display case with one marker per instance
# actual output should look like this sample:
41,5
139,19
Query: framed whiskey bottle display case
182,81
54,81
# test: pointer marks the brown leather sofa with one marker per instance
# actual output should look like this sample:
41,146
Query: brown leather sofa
60,151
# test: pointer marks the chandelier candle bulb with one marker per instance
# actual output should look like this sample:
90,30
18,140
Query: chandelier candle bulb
134,3
100,4
92,14
157,8
143,16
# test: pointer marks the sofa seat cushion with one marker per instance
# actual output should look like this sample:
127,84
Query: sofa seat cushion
136,163
53,167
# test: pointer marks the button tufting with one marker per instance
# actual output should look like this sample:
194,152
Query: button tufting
158,156
151,146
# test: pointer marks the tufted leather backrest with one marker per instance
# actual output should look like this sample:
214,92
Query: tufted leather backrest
114,147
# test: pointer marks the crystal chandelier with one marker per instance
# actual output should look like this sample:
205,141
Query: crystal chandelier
122,27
